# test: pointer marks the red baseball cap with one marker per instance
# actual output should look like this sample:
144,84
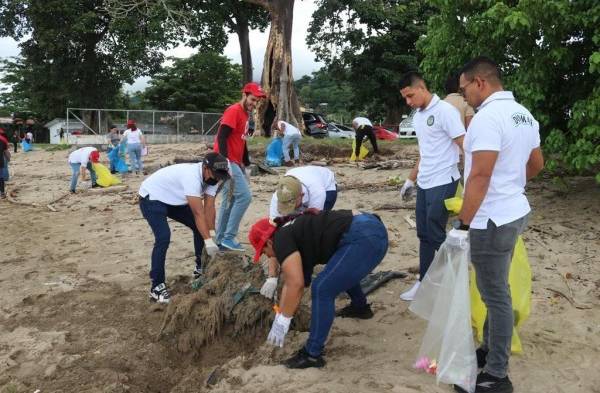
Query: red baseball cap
94,156
260,232
254,89
130,122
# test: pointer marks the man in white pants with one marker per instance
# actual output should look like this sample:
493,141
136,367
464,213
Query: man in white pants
440,133
502,152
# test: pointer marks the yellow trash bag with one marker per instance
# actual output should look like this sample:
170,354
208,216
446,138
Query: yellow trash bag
103,176
519,279
361,155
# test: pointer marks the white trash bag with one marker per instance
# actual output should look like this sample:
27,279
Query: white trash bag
447,350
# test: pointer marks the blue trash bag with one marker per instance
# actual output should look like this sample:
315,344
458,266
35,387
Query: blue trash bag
275,152
26,146
117,159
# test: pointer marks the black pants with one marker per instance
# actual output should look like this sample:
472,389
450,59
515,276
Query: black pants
361,132
15,143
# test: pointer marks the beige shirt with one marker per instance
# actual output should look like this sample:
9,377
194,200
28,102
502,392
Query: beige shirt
457,101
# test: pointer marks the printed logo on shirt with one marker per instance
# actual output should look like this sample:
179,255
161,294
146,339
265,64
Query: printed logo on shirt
430,120
522,118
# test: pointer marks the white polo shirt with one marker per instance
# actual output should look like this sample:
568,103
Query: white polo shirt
172,184
315,180
289,129
133,136
362,121
436,126
81,156
503,125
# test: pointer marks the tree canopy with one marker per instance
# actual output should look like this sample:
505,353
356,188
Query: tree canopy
548,52
204,82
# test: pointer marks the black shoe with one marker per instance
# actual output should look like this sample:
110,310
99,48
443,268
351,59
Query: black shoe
481,357
95,185
303,360
160,294
353,312
197,273
487,383
73,191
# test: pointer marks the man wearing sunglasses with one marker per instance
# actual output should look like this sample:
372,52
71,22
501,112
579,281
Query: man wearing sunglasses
502,152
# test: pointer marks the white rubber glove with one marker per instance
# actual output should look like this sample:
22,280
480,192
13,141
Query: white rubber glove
211,247
269,287
279,329
406,188
212,233
458,238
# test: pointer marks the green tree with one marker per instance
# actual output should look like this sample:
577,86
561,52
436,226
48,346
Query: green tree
205,82
370,44
72,54
322,87
548,52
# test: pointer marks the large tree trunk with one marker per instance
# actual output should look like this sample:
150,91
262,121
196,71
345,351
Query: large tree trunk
277,78
243,33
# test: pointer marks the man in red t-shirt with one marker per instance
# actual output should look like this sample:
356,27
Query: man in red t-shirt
231,142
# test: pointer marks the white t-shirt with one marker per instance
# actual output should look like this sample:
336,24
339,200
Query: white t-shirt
134,136
172,184
503,125
315,180
30,136
81,156
362,121
436,126
289,129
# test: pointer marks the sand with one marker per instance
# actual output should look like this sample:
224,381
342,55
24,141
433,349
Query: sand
75,317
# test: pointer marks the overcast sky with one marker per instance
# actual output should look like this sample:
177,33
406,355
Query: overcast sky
302,57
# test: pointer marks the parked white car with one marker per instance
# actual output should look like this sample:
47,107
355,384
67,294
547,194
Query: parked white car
405,128
340,131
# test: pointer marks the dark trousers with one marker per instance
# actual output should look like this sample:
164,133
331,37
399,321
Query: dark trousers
432,218
361,132
16,144
2,185
360,250
156,213
330,199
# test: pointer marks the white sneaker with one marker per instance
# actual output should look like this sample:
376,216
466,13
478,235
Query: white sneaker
410,294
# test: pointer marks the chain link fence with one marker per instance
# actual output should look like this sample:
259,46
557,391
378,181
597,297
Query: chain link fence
91,126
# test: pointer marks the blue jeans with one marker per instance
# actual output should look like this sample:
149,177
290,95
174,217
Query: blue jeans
135,156
294,141
236,197
156,213
360,250
432,218
76,168
330,199
4,173
491,255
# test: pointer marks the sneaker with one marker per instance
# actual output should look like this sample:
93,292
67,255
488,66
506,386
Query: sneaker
481,357
2,195
232,245
197,273
487,383
410,294
303,360
353,312
73,191
160,294
95,185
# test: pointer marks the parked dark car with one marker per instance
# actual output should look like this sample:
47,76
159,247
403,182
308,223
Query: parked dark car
315,124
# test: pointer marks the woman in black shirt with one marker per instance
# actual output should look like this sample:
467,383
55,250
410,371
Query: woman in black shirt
350,244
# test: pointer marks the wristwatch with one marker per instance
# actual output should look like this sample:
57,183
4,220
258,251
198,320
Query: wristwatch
461,226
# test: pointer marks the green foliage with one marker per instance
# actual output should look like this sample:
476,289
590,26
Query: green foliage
74,54
370,44
322,87
548,52
206,82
